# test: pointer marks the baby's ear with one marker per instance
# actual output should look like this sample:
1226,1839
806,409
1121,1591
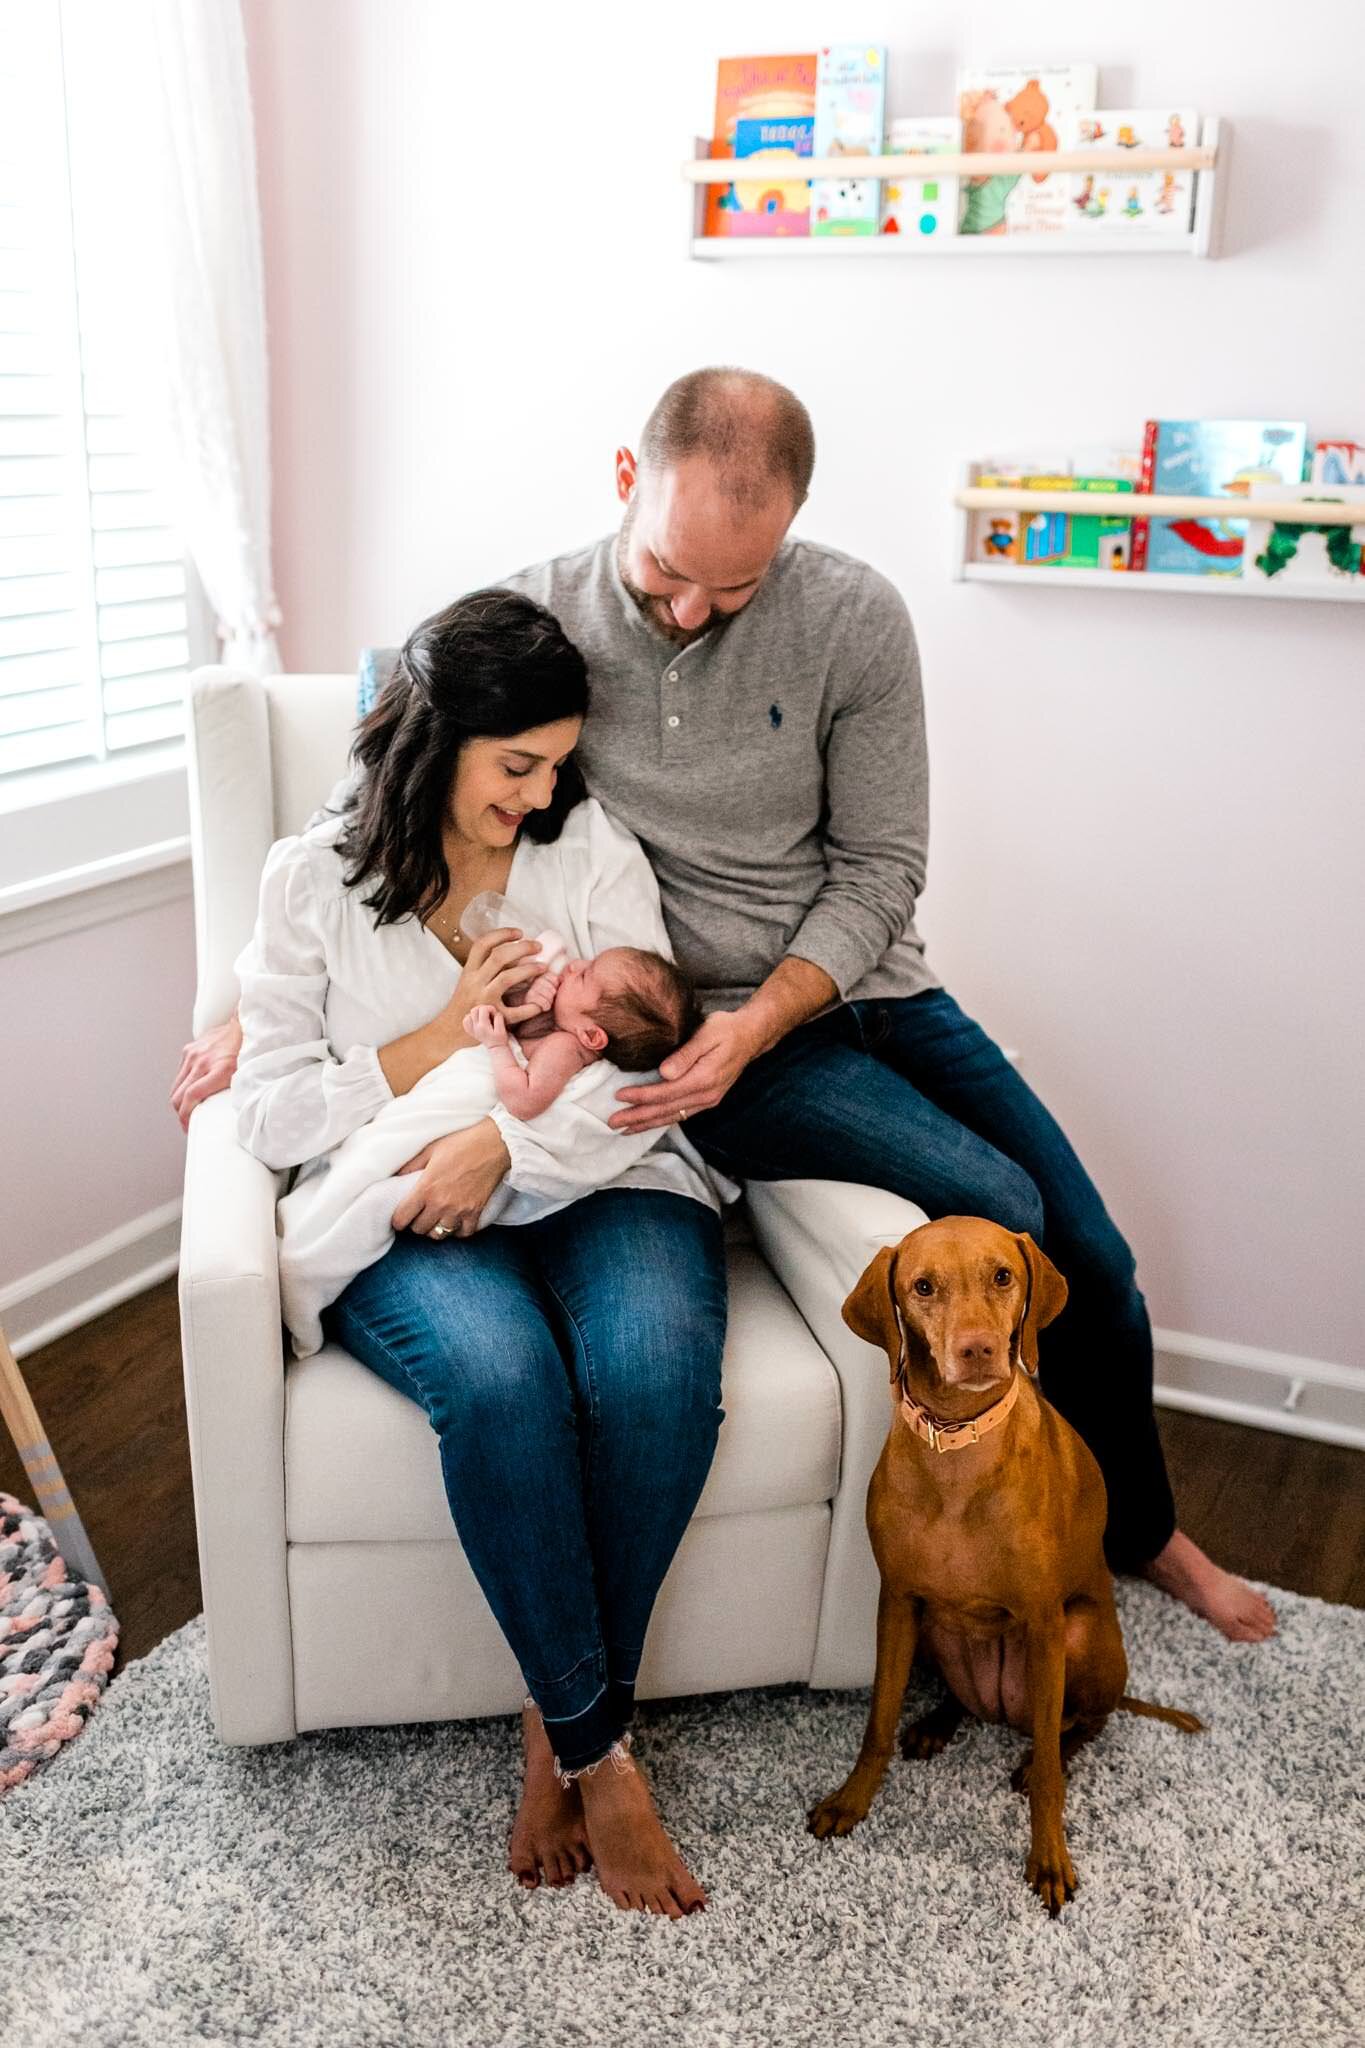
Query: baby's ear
592,1038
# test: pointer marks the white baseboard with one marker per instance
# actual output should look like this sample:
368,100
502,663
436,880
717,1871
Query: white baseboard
1267,1389
74,1290
1273,1390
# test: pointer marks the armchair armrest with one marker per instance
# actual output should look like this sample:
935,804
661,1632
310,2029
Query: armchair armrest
818,1236
234,1397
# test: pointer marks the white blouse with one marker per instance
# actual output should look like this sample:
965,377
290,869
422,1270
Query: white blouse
323,987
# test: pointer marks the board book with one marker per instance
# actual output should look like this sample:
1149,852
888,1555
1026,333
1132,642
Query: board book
753,89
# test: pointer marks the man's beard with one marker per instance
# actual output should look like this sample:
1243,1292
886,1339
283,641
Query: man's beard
656,609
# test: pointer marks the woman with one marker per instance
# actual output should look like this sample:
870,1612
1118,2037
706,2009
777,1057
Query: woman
576,1394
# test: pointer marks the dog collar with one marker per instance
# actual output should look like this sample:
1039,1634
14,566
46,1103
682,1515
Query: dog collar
958,1436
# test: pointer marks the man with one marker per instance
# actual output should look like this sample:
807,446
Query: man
757,721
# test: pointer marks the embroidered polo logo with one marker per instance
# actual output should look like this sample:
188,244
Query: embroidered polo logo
774,716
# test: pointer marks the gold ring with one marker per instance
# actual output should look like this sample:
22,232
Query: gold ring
682,1116
440,1230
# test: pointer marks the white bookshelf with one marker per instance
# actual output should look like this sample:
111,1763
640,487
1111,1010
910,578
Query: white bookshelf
1116,581
1285,589
1208,159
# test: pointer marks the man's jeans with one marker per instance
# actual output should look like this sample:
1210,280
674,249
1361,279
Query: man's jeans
911,1095
571,1369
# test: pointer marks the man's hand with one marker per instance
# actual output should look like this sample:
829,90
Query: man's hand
486,1025
206,1065
695,1077
459,1176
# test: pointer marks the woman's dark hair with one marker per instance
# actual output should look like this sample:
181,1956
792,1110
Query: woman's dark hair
489,666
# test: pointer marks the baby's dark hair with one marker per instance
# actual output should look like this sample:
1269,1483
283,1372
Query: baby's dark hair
655,1013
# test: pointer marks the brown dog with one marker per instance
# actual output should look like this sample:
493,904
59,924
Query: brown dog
986,1513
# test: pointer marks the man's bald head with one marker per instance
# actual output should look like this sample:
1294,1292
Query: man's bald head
754,433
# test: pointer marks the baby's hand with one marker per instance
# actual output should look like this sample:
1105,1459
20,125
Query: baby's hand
542,991
487,1025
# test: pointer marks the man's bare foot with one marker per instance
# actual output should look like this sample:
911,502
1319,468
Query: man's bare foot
548,1835
1237,1609
637,1865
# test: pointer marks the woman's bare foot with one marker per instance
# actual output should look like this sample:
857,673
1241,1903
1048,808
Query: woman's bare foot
548,1835
637,1865
1237,1609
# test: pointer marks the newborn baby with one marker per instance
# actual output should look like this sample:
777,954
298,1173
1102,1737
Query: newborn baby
628,1006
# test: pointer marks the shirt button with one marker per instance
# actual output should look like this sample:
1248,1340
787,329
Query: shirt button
672,675
675,721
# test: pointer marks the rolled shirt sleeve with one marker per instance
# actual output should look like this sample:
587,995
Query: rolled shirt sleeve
292,1095
876,835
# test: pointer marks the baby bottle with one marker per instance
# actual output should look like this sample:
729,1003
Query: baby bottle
491,912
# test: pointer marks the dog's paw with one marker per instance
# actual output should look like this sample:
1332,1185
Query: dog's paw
920,1741
837,1815
1051,1873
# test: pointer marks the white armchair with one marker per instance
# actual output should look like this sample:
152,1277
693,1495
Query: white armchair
317,1487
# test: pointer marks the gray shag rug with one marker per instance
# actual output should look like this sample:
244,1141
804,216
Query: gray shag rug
349,1888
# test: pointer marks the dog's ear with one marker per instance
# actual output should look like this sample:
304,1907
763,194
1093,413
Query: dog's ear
1047,1292
870,1311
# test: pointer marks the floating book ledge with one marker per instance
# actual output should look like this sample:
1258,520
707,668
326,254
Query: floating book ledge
1158,505
1204,162
970,164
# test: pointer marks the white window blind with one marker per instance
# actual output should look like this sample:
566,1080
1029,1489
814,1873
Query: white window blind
100,618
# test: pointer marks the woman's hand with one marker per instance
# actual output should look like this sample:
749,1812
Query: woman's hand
459,1176
496,964
207,1065
695,1077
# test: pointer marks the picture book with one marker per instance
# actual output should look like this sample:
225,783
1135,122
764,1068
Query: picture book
1338,462
1296,558
1112,202
1210,459
1017,110
776,200
928,205
850,106
753,89
1103,542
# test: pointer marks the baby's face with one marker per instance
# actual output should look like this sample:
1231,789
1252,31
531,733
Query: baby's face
582,985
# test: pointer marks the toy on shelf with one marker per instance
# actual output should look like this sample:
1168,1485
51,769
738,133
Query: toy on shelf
1003,111
928,205
850,108
1309,554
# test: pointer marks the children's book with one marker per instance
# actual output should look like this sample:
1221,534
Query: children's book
1012,110
1104,542
1293,558
1338,462
753,89
1112,202
850,105
1210,459
922,206
776,200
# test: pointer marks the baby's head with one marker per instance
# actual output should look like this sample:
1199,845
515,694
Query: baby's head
628,1006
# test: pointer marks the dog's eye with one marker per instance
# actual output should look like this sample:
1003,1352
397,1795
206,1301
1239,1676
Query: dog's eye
923,1286
1003,1277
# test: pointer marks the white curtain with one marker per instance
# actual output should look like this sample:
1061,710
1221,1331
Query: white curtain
164,188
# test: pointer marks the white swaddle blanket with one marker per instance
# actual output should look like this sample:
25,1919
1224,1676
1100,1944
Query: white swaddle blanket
338,1217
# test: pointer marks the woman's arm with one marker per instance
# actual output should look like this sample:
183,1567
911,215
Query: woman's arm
292,1096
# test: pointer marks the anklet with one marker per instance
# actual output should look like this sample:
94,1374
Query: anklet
617,1756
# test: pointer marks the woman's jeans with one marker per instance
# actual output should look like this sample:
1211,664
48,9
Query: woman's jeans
912,1096
571,1370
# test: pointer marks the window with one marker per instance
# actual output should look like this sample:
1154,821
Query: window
100,616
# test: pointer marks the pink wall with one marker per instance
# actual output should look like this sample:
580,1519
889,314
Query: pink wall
1148,841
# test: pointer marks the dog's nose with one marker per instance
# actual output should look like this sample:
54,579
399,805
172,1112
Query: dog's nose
977,1348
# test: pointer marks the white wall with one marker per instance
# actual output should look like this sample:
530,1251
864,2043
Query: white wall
1148,840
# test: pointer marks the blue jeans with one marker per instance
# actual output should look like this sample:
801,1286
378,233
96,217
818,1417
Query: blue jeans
571,1370
911,1095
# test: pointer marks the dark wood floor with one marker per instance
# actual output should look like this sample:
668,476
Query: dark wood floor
111,1396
